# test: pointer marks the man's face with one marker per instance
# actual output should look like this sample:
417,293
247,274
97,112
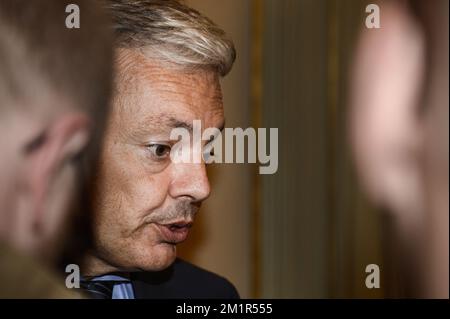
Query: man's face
145,204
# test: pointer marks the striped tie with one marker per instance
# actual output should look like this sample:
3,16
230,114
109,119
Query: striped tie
100,289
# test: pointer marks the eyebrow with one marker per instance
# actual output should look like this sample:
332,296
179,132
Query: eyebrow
172,122
167,122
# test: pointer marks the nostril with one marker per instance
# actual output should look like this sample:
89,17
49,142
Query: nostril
191,181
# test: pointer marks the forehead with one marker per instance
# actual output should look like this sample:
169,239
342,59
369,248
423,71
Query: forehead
148,91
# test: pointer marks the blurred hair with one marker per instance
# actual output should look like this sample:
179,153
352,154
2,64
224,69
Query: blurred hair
39,54
37,50
170,31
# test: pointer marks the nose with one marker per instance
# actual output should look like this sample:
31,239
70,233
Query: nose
190,180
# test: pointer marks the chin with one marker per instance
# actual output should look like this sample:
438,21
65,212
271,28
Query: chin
159,257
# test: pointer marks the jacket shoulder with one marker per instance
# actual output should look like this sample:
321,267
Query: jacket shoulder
183,280
194,274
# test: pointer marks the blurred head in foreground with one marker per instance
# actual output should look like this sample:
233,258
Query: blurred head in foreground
54,90
400,131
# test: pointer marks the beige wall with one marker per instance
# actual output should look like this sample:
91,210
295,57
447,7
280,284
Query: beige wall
306,231
221,238
318,232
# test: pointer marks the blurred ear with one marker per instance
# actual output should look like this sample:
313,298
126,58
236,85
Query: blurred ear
386,91
51,172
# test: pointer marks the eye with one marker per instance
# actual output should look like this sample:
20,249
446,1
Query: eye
159,151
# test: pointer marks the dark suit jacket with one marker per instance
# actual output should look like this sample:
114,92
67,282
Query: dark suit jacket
184,281
24,277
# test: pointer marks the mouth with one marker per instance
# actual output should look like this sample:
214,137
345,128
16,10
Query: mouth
175,232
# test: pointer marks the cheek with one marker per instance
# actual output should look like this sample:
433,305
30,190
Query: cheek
145,192
142,249
126,192
146,250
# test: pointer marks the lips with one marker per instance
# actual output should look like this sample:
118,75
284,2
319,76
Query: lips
174,233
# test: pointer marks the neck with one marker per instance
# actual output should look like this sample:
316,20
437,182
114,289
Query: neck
95,266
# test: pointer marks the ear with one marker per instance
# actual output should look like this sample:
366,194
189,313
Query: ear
50,170
385,130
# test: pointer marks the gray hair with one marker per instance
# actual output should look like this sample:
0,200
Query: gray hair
171,31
